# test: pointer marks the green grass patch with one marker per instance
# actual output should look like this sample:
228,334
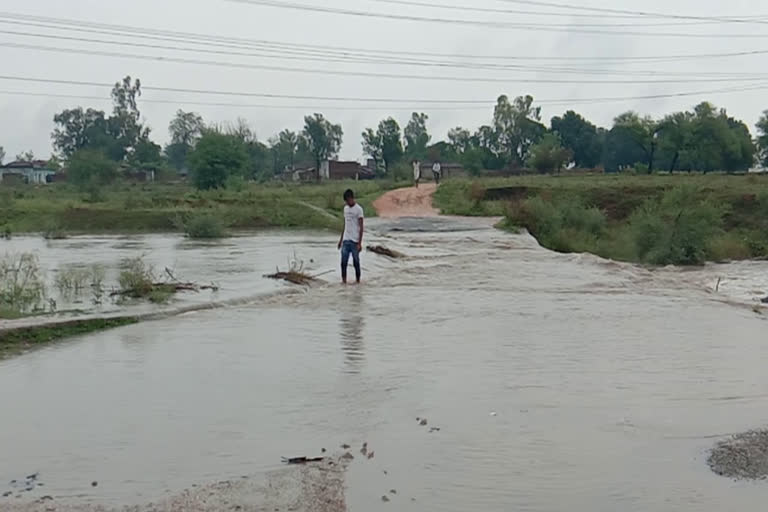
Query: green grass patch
16,341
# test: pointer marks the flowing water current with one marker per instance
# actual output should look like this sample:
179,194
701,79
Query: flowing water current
558,382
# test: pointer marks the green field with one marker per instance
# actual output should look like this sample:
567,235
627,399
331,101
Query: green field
657,219
61,209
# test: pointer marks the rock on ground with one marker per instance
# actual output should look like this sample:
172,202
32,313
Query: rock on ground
743,456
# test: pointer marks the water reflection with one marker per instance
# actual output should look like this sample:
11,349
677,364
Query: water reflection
351,327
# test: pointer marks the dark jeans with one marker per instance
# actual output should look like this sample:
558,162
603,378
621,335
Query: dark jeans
349,248
437,177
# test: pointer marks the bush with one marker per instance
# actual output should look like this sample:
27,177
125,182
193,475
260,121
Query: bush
729,247
204,225
21,286
136,278
565,226
677,229
90,170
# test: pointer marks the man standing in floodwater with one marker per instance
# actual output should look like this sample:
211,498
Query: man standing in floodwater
351,242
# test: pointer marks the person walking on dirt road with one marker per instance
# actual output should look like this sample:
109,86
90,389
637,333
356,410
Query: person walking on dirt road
437,172
351,241
416,172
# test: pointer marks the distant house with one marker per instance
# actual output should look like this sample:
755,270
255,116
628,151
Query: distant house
34,172
336,170
330,170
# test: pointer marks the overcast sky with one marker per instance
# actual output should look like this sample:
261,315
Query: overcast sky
27,120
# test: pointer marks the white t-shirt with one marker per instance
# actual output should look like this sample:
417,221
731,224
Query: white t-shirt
352,216
436,168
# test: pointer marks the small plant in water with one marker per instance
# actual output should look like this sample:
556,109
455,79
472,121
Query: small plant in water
21,287
136,278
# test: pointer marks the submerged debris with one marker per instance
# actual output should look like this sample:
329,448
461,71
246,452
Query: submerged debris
292,277
384,251
295,273
742,457
302,460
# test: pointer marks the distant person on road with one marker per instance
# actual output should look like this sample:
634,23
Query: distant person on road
437,172
416,172
351,241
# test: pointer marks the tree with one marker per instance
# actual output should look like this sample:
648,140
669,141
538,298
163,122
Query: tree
285,149
719,141
643,131
385,144
516,127
116,136
548,155
125,123
675,139
580,137
372,146
416,136
27,156
78,129
391,143
216,157
323,139
762,138
91,169
460,139
185,129
146,156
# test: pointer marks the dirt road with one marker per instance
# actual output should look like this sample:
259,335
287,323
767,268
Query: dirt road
407,202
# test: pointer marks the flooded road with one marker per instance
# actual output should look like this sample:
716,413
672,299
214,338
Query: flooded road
558,382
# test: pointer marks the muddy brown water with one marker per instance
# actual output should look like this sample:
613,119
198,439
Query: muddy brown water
558,382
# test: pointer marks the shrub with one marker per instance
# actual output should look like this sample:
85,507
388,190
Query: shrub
22,288
90,170
677,229
204,225
729,247
54,231
136,278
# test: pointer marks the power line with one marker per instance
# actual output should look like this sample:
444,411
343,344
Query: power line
366,74
413,3
483,23
434,103
646,14
241,43
304,56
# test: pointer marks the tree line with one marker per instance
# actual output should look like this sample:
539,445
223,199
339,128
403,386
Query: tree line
97,146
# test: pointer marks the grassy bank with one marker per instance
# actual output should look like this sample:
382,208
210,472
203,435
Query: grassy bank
17,341
677,219
60,208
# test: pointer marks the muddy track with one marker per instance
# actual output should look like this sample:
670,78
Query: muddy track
407,202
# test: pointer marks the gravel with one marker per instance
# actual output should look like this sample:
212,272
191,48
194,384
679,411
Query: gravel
742,457
317,487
